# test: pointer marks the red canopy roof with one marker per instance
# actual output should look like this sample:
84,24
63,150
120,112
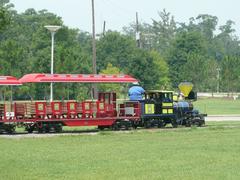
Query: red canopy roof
83,78
9,80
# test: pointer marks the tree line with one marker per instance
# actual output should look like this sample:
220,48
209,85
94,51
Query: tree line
199,51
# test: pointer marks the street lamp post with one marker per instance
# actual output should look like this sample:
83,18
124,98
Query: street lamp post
218,79
53,30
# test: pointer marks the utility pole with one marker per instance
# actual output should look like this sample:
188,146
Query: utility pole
104,28
137,32
94,87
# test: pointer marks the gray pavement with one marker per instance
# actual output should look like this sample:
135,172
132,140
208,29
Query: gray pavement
223,117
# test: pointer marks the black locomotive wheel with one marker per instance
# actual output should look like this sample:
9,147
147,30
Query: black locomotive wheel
160,124
202,123
174,123
188,123
197,121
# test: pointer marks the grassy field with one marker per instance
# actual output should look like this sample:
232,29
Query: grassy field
215,106
184,153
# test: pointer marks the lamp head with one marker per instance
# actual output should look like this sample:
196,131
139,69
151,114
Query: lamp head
53,28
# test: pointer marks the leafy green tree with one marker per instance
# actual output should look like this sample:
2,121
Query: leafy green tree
149,67
5,15
195,70
230,74
185,44
155,36
210,83
207,25
112,87
164,31
143,67
116,49
26,48
227,40
162,71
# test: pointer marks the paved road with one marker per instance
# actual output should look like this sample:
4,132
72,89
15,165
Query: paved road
223,118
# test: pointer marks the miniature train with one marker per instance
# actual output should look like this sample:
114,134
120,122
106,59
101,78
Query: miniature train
157,109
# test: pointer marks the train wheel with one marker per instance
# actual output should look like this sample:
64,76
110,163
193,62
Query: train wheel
202,123
1,128
174,123
101,128
134,125
188,123
127,126
47,129
30,128
10,128
39,127
115,127
147,124
197,121
58,128
160,124
40,130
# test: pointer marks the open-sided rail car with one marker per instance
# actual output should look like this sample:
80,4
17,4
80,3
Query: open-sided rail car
6,108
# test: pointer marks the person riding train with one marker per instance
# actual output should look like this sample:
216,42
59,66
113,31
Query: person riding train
135,92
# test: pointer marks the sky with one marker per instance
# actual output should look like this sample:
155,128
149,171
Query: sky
119,13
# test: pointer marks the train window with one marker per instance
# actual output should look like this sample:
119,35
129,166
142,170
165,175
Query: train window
167,97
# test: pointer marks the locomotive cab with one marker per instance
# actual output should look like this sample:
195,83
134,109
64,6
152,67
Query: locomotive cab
158,102
157,108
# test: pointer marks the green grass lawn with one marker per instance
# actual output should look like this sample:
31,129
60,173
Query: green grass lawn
183,153
214,106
